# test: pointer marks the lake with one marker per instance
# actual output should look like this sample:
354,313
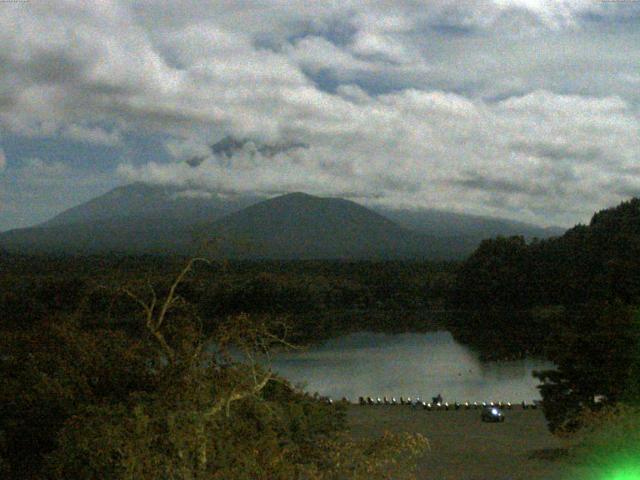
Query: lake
409,365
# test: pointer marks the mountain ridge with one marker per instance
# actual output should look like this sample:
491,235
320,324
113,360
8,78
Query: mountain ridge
143,218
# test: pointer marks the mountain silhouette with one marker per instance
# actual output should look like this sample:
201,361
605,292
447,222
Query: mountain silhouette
141,218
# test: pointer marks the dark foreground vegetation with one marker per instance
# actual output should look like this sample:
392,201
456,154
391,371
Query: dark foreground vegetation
163,399
99,380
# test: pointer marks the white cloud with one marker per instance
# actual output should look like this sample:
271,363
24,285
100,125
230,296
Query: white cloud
35,170
507,108
185,149
95,135
556,14
545,157
200,194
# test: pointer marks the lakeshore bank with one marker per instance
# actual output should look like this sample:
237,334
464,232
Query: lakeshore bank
465,448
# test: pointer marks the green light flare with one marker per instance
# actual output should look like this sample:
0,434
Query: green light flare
622,472
625,474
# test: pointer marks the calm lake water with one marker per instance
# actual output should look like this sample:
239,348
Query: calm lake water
410,364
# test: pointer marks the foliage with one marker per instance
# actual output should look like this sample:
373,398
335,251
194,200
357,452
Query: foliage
631,395
495,275
494,289
167,401
256,442
173,437
50,371
499,334
509,282
569,298
320,298
594,349
597,262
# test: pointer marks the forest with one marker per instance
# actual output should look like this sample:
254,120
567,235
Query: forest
573,300
105,374
319,299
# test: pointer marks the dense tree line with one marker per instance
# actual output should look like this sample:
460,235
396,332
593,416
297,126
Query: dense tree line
595,348
321,299
572,299
600,261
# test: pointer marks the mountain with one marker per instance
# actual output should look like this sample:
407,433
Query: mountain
139,202
144,219
448,224
141,218
301,226
135,218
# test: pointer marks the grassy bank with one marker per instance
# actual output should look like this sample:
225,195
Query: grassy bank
464,448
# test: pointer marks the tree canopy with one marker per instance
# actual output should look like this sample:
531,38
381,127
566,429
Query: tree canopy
171,400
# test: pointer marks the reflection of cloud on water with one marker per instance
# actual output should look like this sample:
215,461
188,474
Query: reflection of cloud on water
406,364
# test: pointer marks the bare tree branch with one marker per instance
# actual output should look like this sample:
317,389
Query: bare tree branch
225,403
154,322
251,336
170,296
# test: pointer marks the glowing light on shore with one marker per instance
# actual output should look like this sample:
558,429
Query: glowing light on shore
627,472
617,469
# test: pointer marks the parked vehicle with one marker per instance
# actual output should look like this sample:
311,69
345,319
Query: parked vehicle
492,414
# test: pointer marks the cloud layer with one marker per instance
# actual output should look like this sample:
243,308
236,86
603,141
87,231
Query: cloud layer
524,109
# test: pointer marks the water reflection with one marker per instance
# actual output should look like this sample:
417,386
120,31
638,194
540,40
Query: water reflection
410,364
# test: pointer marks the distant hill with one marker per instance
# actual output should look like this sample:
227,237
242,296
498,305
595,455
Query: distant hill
301,226
448,224
141,218
135,218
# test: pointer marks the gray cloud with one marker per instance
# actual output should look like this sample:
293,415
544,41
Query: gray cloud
503,108
484,183
441,149
92,134
551,151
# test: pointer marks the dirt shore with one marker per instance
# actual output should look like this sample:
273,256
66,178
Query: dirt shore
465,448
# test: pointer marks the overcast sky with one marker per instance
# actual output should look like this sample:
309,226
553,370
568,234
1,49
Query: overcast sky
524,109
